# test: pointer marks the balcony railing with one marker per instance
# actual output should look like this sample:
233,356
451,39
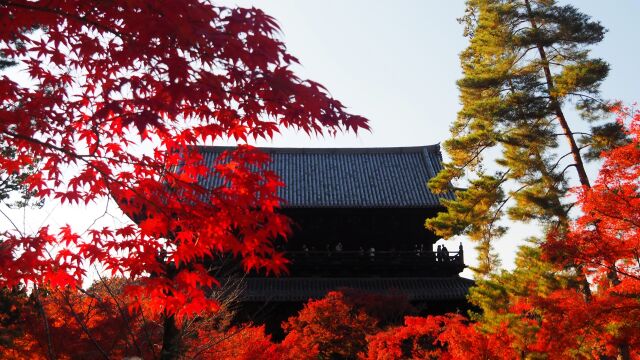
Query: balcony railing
453,256
375,263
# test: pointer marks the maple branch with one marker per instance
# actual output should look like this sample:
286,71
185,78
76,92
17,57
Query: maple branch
227,335
88,293
610,268
82,19
229,293
50,353
106,208
123,314
146,331
83,158
83,326
617,217
12,223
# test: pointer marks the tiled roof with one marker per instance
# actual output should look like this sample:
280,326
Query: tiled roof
351,177
302,289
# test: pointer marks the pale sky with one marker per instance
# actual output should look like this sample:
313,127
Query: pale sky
396,63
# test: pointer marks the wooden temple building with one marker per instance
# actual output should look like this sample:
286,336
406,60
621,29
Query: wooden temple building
358,223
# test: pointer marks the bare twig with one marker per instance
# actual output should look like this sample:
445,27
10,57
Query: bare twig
83,326
50,352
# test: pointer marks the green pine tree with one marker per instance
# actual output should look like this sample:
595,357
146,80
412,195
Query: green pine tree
527,61
496,295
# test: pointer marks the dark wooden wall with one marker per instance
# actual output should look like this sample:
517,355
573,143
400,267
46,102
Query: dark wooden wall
381,228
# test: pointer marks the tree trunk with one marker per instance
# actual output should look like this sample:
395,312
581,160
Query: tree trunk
51,355
555,104
624,352
623,349
575,151
170,339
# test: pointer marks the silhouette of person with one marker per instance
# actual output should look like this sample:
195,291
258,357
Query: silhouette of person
439,253
445,253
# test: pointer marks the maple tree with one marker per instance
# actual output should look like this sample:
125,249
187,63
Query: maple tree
328,328
14,340
387,309
68,324
95,323
437,337
118,93
604,238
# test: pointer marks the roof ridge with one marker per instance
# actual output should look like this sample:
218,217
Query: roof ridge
330,150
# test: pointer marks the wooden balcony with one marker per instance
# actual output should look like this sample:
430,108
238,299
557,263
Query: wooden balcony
371,263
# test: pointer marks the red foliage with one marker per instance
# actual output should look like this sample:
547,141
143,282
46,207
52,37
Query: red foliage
244,343
605,242
96,323
327,328
119,93
72,324
438,337
15,341
387,309
607,235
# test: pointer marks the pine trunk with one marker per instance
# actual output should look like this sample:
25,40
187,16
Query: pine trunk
575,151
623,349
555,103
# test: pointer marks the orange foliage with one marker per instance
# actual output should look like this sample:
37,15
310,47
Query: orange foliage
73,324
328,328
243,343
97,323
605,242
437,337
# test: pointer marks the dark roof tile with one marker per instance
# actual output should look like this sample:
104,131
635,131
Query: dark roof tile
302,289
351,177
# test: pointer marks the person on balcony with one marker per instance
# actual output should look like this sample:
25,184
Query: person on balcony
445,253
